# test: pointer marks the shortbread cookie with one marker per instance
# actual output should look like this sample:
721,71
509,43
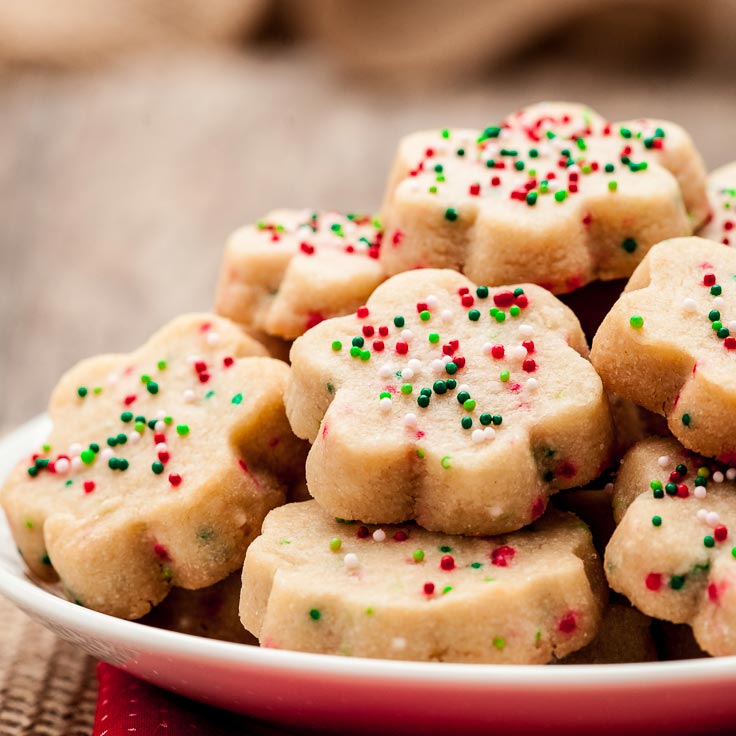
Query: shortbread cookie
722,192
210,612
317,584
673,552
669,343
295,268
459,406
160,467
554,195
625,636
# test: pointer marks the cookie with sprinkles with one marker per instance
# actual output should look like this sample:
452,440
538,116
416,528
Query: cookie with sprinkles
673,553
459,406
317,584
555,195
669,343
721,227
295,268
159,469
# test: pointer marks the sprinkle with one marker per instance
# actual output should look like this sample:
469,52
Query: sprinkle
451,214
335,544
636,321
447,562
351,561
379,535
418,555
656,520
314,614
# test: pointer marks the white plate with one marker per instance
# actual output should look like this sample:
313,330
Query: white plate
360,695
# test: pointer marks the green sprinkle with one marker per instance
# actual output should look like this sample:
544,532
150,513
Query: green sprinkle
499,642
209,394
157,467
500,316
315,615
365,355
469,405
485,419
439,387
560,195
714,315
445,462
406,388
709,541
336,345
445,133
335,544
612,186
237,399
474,315
466,422
497,420
45,560
29,524
399,321
514,310
451,368
451,214
358,342
629,245
182,430
504,376
87,457
677,581
33,471
82,391
126,416
355,351
419,555
686,419
152,387
425,315
636,321
482,292
423,400
733,551
656,520
531,198
434,338
451,383
462,397
671,489
476,565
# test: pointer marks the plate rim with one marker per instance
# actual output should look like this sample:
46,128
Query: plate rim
43,605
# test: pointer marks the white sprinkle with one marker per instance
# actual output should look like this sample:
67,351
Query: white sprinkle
731,473
407,334
415,365
437,366
701,514
62,466
107,453
732,325
134,437
213,338
432,301
161,413
407,374
689,304
719,301
446,359
463,387
699,492
518,352
77,463
718,476
490,433
478,436
386,370
608,488
162,447
664,461
379,535
526,330
75,448
398,642
446,315
532,384
385,403
192,359
188,396
112,379
160,426
351,561
410,420
712,518
487,347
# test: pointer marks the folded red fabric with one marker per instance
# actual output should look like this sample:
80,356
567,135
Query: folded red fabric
127,706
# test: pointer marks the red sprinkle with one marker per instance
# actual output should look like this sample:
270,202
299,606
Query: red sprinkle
474,190
368,330
378,346
128,400
497,351
720,533
709,279
89,486
502,556
653,581
467,300
306,248
228,361
402,348
428,588
529,345
713,593
529,365
363,532
160,551
362,312
383,331
401,536
503,298
447,562
568,623
682,491
175,479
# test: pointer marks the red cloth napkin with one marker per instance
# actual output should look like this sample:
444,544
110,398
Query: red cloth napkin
127,706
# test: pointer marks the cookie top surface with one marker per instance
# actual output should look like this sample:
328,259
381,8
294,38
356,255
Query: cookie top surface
461,406
121,499
669,343
294,268
722,194
317,584
581,198
673,552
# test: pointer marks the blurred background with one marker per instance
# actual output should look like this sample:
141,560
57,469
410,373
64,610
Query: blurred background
136,134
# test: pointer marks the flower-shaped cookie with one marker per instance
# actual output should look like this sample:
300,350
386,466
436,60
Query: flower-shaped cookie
316,584
460,406
673,552
160,467
296,267
669,343
722,192
554,195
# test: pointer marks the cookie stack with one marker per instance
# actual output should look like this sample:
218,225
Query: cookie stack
447,396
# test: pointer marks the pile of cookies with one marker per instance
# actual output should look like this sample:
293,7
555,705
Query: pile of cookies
406,488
